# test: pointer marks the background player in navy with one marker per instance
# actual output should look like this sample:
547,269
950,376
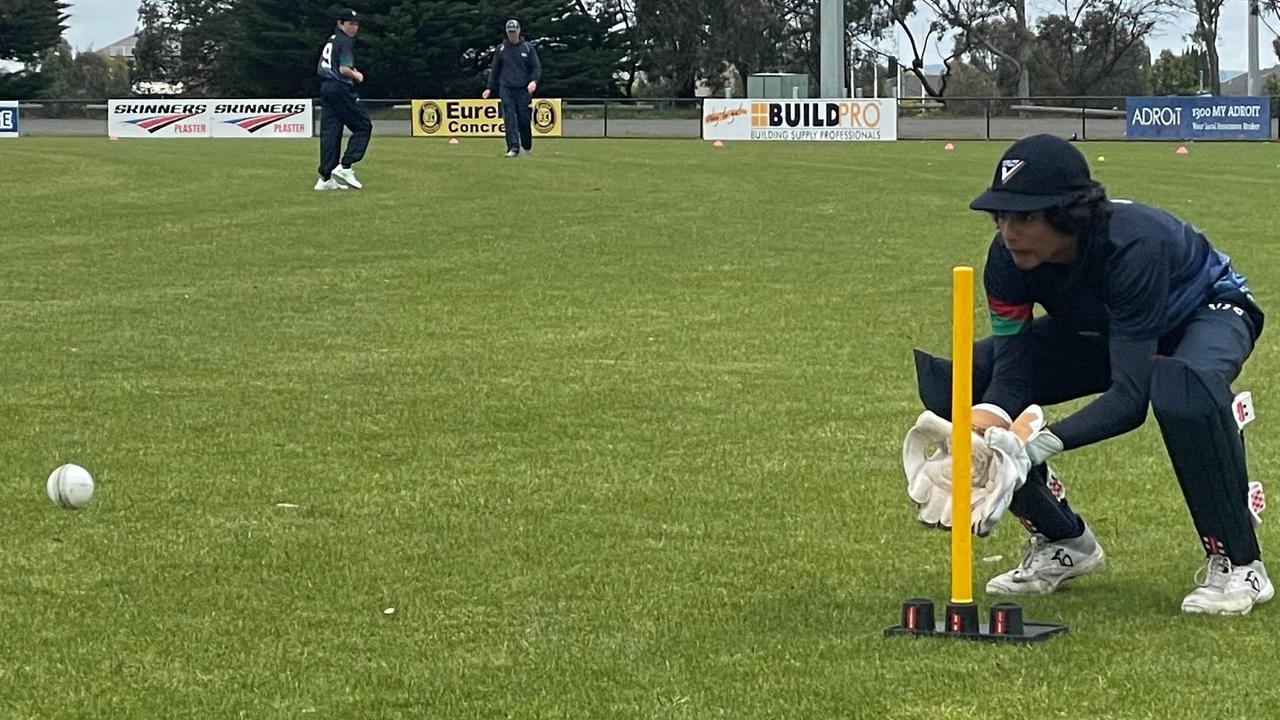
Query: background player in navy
514,76
1138,306
340,107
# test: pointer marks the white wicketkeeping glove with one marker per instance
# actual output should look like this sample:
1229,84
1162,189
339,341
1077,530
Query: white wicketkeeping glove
994,474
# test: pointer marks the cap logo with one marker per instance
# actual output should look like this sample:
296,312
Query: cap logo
1009,168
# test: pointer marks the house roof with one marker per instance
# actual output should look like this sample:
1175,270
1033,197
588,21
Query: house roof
1239,85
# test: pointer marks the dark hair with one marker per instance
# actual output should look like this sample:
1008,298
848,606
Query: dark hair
1081,214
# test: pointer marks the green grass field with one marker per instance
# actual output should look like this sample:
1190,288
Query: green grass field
624,444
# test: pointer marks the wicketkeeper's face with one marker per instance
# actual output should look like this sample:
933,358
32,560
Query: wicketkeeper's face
1031,241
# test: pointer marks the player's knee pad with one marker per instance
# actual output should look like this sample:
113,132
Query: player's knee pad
933,378
933,381
1193,408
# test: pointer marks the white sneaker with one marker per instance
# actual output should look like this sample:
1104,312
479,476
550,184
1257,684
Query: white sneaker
511,154
330,184
527,154
1228,589
347,176
1046,564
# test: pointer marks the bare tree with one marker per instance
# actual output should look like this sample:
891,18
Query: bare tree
972,21
1207,13
975,21
1090,42
1271,7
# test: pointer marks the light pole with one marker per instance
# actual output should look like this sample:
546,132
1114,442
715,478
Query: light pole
1255,74
831,42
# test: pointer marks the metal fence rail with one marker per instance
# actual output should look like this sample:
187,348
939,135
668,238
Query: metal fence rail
959,118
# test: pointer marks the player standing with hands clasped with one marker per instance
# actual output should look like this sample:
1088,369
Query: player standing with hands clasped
514,76
1138,306
341,107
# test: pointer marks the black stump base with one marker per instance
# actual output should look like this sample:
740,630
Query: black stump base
960,622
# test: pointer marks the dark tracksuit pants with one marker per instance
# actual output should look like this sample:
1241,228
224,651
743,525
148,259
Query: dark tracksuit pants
339,108
1215,342
517,116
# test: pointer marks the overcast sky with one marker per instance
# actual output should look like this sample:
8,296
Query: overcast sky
95,23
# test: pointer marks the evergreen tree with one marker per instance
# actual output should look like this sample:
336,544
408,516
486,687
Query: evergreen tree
182,42
28,29
272,47
1174,75
430,49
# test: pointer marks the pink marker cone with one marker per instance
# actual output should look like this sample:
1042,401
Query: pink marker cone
453,141
717,144
1182,150
113,138
948,146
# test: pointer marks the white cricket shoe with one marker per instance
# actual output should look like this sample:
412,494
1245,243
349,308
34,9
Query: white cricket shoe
330,184
527,154
1228,589
511,154
347,176
1046,564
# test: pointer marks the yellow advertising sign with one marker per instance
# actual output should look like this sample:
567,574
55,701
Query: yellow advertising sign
479,118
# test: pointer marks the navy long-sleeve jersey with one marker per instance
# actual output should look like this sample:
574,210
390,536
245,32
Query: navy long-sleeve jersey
514,65
338,52
1136,283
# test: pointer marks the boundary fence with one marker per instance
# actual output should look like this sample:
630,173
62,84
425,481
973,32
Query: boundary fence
959,118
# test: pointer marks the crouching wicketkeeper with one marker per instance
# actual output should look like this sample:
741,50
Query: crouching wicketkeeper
1138,306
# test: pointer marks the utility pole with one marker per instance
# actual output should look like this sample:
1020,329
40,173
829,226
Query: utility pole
1024,53
831,42
1255,73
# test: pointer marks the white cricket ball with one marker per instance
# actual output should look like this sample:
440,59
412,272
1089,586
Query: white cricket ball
70,487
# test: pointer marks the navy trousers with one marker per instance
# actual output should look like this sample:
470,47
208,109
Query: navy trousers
340,108
517,116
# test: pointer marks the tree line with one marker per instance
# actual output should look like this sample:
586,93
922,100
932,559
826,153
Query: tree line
625,48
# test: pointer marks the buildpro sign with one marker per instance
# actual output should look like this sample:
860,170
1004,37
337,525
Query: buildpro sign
831,120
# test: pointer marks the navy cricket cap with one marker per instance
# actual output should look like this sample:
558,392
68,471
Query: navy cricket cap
1036,173
348,15
513,25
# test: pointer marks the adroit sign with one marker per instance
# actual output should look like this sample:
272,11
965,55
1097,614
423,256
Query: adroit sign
1198,118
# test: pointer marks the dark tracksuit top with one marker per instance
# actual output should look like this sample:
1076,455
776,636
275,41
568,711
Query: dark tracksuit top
339,52
1135,283
515,65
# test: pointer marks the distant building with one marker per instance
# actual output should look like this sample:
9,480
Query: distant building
1239,85
120,48
913,88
